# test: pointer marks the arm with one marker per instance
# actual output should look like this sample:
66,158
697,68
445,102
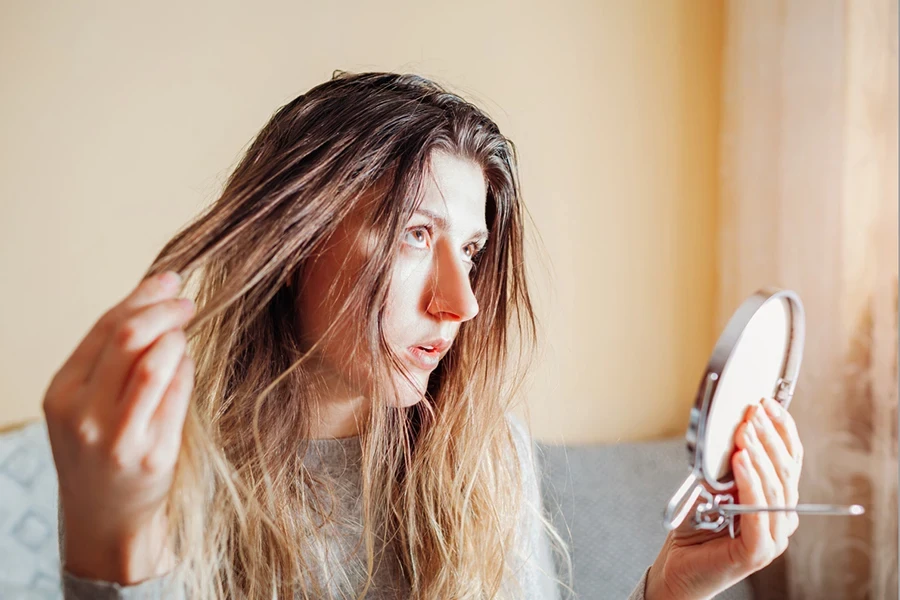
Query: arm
115,412
84,588
699,565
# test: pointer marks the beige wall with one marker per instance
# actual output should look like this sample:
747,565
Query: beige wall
120,120
809,202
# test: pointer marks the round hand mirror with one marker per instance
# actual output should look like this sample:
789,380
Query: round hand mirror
757,356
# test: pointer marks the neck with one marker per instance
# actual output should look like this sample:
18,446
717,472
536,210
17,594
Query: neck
339,412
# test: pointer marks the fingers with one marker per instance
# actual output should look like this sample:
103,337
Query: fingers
786,427
149,291
772,487
787,467
167,422
128,342
148,381
78,367
170,414
756,534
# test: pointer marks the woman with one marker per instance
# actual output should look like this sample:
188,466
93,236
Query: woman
331,420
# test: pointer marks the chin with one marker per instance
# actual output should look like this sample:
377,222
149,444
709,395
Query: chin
409,394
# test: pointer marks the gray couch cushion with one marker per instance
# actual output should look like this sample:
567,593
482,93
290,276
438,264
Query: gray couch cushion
607,502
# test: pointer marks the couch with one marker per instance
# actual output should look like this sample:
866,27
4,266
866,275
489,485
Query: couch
606,500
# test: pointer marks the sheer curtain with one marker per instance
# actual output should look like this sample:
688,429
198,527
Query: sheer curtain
809,202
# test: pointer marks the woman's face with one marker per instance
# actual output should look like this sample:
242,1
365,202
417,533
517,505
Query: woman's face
430,291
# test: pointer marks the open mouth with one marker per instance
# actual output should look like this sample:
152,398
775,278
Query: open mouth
424,357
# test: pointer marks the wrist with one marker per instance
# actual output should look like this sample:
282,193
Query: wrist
657,589
660,585
126,557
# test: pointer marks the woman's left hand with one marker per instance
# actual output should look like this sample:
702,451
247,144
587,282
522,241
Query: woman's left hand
699,564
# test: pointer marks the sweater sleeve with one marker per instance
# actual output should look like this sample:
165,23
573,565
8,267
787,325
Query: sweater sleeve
638,593
77,588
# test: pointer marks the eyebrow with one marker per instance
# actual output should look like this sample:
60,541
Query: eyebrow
441,221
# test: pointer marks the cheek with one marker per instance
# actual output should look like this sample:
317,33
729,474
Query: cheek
402,313
318,306
325,287
405,300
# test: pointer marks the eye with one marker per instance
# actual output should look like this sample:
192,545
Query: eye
474,254
418,237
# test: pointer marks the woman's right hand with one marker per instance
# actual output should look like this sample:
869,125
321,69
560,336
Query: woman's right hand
115,412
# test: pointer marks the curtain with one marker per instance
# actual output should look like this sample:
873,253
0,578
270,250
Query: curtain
808,201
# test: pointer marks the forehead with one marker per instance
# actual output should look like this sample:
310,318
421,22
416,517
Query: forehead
455,187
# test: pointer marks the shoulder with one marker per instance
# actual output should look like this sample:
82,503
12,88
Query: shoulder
524,447
519,429
533,561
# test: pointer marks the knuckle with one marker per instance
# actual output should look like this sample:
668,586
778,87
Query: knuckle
780,546
761,556
58,394
120,456
86,431
145,373
107,321
787,472
54,386
156,461
50,405
178,386
753,452
795,470
126,335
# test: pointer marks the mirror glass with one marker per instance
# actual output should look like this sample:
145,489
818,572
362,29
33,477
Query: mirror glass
751,373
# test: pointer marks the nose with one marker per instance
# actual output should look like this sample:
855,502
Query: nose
452,298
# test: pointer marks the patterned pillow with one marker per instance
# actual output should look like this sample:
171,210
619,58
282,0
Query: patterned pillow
29,553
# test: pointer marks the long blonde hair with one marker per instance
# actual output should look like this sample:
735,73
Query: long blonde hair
440,477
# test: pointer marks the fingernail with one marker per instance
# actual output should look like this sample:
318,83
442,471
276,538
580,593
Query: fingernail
171,278
187,304
773,407
759,417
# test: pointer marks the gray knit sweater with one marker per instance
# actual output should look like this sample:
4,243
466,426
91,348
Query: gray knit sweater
339,459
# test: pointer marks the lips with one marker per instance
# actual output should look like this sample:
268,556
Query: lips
438,345
426,355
